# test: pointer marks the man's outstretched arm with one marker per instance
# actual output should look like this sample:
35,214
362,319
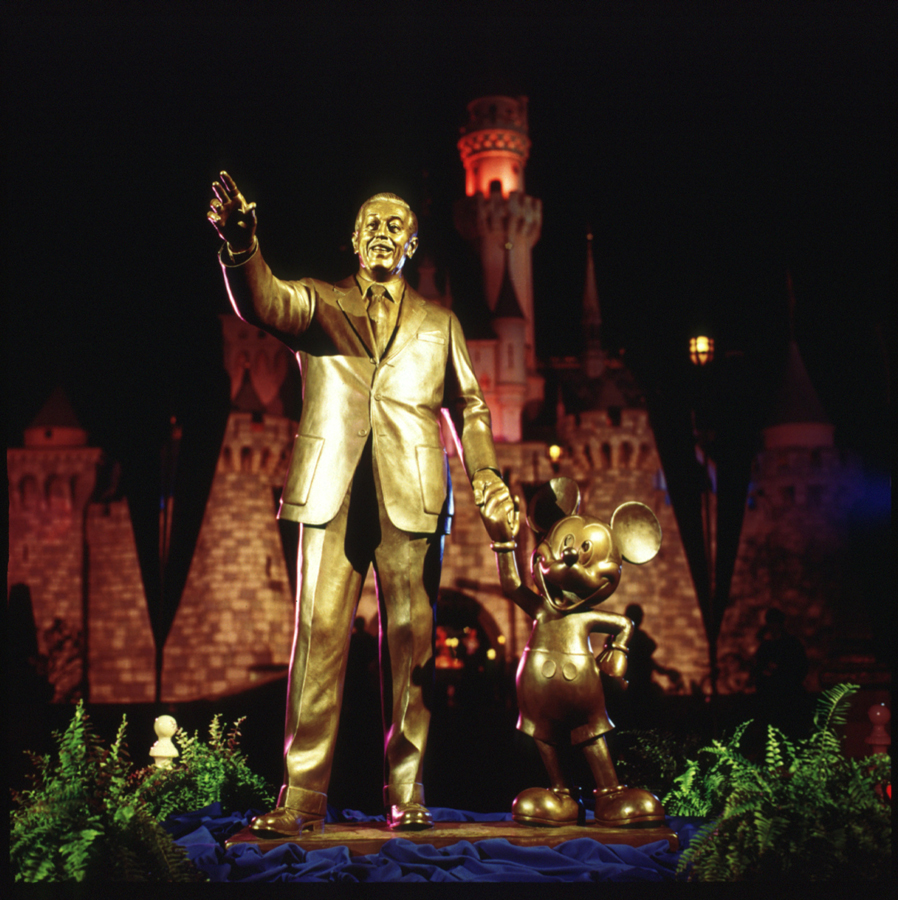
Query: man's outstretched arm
284,308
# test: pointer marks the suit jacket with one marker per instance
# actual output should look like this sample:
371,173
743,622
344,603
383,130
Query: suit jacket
349,393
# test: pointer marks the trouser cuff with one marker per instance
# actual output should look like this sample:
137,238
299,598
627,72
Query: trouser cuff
412,792
311,802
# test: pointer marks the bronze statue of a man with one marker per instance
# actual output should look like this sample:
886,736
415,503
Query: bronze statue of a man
368,483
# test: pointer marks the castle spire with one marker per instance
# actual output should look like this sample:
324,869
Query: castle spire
594,356
510,325
592,314
798,419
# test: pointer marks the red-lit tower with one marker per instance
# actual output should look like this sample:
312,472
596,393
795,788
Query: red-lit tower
496,215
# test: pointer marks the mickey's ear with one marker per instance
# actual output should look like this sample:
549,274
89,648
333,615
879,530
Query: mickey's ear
637,532
553,502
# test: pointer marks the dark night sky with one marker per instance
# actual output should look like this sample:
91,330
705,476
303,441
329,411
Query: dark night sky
708,152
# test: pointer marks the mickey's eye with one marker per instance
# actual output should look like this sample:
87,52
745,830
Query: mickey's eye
585,547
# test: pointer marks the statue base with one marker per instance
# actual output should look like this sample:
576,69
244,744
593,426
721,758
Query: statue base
367,837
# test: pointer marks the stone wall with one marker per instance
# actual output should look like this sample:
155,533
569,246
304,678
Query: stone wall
121,650
235,619
793,556
48,493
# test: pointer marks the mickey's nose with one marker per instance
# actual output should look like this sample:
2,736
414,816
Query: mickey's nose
569,554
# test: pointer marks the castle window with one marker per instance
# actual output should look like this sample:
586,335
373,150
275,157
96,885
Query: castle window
606,456
645,451
626,454
28,491
58,494
246,459
614,416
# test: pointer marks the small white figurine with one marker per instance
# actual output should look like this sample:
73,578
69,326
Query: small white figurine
164,750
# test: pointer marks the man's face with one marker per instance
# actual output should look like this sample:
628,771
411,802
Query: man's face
384,240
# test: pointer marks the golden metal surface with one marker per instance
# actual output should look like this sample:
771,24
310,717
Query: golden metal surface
576,565
367,481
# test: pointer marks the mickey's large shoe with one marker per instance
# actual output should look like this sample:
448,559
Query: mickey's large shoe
546,808
620,806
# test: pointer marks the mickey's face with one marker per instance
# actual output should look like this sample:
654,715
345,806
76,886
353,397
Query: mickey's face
576,564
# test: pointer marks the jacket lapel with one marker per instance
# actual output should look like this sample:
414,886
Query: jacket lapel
411,313
350,300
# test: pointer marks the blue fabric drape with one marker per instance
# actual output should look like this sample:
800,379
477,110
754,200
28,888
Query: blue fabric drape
203,833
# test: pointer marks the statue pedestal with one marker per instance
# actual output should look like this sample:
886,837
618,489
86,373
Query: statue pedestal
366,837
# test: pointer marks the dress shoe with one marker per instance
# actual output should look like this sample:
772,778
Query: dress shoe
539,806
619,805
287,822
409,817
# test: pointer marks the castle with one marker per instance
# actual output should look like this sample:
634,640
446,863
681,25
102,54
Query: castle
72,550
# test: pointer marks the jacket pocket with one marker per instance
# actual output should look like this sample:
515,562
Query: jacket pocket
433,475
303,463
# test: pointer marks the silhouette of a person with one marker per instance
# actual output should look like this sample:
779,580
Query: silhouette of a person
778,673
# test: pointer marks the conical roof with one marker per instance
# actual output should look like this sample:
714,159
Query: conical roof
56,424
57,412
507,304
797,400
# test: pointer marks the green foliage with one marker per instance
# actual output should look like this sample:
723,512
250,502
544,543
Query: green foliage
88,817
81,821
804,812
205,773
651,758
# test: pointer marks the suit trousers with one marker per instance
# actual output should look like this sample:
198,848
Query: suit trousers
334,561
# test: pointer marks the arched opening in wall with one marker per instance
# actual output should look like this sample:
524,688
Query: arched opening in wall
645,453
264,459
227,459
614,416
606,455
474,710
29,493
246,459
469,652
59,496
625,455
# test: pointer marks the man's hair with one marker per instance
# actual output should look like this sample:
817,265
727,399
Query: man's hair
386,196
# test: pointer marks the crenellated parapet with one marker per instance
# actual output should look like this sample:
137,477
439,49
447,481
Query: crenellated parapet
598,441
257,445
54,481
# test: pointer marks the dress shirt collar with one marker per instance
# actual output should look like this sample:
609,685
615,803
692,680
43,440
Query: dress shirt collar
395,287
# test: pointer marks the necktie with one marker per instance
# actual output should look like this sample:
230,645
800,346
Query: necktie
377,313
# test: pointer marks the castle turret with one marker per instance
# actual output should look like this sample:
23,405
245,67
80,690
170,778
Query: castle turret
511,373
72,554
496,215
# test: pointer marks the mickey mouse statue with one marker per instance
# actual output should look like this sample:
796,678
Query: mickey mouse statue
576,565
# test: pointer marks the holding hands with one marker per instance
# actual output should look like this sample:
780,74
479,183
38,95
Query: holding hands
497,506
232,217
